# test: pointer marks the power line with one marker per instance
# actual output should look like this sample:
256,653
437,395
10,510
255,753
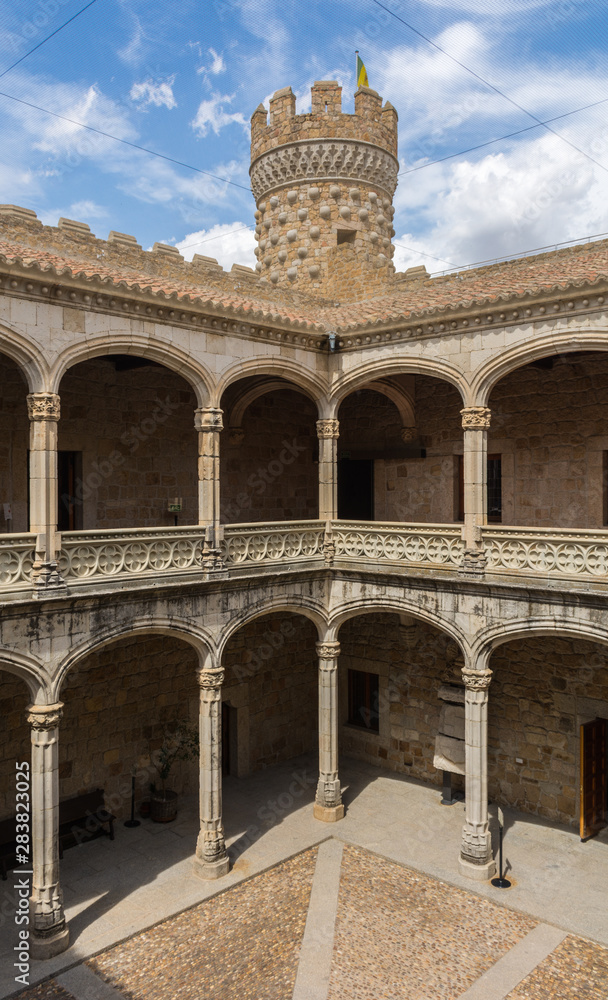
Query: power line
219,236
125,142
55,32
487,83
441,260
526,253
501,138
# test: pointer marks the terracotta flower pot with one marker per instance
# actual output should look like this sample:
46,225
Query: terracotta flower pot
163,808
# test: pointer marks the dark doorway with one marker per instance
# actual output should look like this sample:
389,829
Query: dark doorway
69,477
356,489
593,777
229,739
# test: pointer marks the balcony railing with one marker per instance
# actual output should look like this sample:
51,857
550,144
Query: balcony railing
575,554
97,558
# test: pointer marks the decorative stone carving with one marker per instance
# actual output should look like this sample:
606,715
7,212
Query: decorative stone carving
476,418
409,434
208,418
324,160
208,679
43,406
236,435
328,428
328,650
44,717
477,680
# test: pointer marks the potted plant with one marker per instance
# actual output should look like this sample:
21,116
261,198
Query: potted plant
180,743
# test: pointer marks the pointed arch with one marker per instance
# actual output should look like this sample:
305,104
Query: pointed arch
27,356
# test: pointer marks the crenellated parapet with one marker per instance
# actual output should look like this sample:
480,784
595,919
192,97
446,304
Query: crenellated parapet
324,184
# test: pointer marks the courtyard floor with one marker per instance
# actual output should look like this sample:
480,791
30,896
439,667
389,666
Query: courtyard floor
371,908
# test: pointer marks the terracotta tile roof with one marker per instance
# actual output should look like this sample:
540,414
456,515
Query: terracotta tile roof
49,251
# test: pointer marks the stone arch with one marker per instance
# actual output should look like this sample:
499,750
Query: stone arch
30,670
292,374
313,610
197,637
380,371
178,361
399,396
27,356
369,605
489,374
522,628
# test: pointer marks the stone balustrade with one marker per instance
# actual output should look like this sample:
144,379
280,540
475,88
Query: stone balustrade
98,557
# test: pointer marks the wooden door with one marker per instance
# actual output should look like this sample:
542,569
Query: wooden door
593,777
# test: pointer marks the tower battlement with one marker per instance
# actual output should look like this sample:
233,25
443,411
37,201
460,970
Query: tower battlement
324,184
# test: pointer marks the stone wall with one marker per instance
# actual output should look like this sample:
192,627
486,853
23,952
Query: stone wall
271,475
118,702
274,657
14,443
135,430
542,690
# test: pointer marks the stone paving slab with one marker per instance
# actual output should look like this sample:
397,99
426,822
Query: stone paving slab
401,935
576,970
241,945
50,990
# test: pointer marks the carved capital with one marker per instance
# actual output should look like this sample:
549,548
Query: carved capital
328,428
43,406
328,650
208,679
236,435
476,680
45,717
408,434
208,418
476,418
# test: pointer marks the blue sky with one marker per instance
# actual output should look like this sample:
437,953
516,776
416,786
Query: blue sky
183,79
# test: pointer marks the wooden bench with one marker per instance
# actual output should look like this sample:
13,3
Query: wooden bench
83,818
8,845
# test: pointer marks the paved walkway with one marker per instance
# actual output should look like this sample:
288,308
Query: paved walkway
114,890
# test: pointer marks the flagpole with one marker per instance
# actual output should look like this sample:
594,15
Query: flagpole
356,68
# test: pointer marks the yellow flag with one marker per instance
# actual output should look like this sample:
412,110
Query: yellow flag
362,80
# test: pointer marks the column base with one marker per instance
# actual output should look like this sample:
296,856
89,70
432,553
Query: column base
479,873
328,814
43,946
208,870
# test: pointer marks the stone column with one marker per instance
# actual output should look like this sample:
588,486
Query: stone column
48,929
475,424
476,859
328,801
208,423
211,860
43,410
328,432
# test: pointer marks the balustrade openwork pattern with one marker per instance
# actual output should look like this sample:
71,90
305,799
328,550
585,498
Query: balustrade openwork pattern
92,557
575,553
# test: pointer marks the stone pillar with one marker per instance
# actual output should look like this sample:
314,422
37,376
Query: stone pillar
328,432
476,860
43,410
208,423
475,424
48,929
328,801
211,859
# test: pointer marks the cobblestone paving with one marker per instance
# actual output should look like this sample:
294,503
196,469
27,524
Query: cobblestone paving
576,970
45,991
400,934
241,945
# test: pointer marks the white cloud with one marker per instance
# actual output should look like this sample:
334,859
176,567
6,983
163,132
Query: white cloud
229,244
211,114
160,94
217,64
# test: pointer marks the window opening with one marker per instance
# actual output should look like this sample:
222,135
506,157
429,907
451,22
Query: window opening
363,700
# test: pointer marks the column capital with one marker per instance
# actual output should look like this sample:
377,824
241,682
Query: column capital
476,418
408,434
208,418
476,680
44,717
209,679
328,428
328,650
43,406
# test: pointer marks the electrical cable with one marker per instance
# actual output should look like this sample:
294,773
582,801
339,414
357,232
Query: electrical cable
52,34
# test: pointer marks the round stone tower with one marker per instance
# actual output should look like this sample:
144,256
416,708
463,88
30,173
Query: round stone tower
324,183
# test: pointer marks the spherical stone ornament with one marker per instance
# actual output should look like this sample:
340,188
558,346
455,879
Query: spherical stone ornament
292,235
313,193
274,239
292,273
345,211
262,207
325,212
282,218
258,266
314,270
267,223
363,214
334,191
302,252
315,232
282,255
302,214
274,277
274,201
373,197
292,196
373,237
